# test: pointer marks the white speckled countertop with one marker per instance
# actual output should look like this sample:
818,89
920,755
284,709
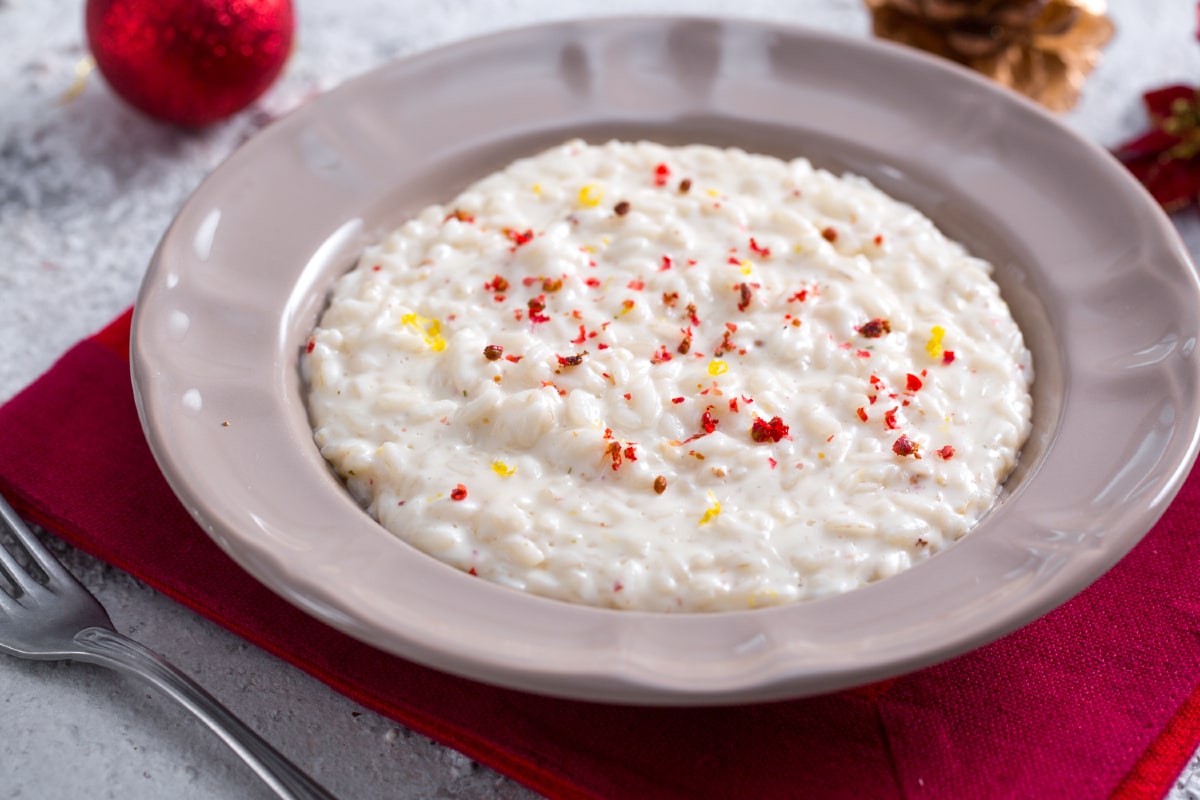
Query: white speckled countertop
87,187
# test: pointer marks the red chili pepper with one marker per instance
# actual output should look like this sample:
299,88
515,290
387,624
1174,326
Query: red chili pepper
913,382
771,430
946,452
458,492
873,329
889,419
661,173
906,447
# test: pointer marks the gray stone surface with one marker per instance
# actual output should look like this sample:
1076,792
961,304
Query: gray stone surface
87,187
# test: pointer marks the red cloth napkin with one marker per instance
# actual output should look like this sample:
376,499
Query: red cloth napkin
1097,699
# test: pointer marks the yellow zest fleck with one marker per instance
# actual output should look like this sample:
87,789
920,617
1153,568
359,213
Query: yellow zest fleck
626,307
537,188
771,596
430,330
714,508
717,367
588,248
820,455
747,266
713,193
934,345
605,241
590,195
798,248
502,469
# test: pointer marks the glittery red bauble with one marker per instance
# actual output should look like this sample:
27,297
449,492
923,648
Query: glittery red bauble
191,62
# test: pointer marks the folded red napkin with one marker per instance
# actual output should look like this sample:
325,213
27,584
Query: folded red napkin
1097,699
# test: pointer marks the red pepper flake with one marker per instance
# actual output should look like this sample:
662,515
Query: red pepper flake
669,299
666,264
459,215
628,396
799,297
726,345
537,305
637,285
621,208
947,356
572,360
913,382
889,418
376,268
593,282
627,306
312,345
602,346
613,451
552,284
862,413
829,234
747,400
677,400
660,355
513,359
946,453
518,238
685,185
660,484
458,493
691,312
763,252
631,451
772,462
472,571
582,337
906,447
608,433
771,430
661,173
863,353
878,240
707,422
873,329
686,344
496,284
518,314
617,586
745,293
493,352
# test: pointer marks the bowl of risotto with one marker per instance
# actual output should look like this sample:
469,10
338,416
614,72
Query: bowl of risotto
671,361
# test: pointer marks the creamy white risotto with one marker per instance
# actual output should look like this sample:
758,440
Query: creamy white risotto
671,379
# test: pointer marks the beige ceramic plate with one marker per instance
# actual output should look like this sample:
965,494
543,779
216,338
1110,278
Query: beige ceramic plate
1093,271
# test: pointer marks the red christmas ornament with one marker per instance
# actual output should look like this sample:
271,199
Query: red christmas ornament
190,62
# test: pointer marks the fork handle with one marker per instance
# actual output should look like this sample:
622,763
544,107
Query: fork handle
111,649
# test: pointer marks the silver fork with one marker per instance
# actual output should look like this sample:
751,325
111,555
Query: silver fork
57,618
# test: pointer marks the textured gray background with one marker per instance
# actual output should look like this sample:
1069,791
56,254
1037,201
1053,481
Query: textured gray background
86,189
